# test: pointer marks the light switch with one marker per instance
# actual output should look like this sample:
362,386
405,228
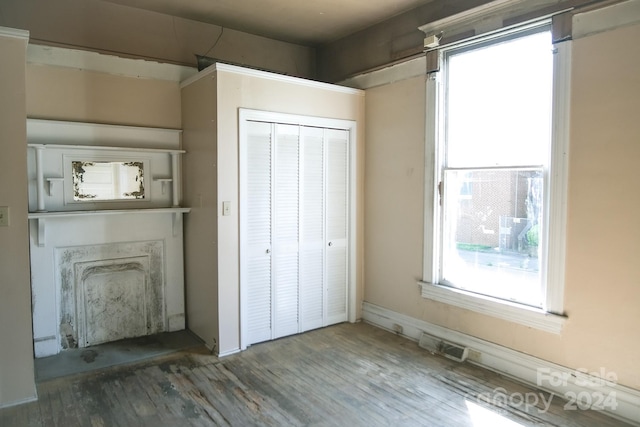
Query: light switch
4,216
226,208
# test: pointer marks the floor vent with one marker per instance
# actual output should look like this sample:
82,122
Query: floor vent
447,349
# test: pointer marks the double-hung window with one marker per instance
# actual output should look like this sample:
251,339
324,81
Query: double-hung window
499,176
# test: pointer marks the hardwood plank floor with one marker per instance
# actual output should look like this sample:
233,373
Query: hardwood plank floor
344,375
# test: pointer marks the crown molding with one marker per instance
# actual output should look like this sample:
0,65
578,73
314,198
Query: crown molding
250,72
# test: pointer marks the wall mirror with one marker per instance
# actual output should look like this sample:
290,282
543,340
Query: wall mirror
107,180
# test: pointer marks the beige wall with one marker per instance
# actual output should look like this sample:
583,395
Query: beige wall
602,293
199,106
111,28
603,272
59,93
235,91
16,351
394,188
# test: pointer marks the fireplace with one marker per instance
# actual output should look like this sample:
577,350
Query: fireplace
98,278
106,233
110,292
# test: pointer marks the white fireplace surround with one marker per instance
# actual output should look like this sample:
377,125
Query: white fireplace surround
80,253
103,271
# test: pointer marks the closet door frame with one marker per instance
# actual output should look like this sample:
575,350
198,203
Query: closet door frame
246,115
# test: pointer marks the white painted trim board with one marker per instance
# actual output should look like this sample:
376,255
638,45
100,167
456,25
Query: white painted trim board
250,72
30,399
41,131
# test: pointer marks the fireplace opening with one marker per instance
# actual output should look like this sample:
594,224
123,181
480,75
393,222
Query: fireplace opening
110,292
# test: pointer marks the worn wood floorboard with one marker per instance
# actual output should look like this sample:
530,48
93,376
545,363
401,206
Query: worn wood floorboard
344,375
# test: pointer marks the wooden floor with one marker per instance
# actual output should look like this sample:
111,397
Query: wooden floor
344,375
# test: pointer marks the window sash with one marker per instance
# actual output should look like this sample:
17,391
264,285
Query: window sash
550,317
473,100
485,241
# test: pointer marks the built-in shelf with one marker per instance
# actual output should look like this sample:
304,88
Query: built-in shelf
105,148
92,134
51,182
39,215
164,182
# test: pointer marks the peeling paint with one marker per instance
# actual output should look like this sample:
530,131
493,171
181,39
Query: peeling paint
67,338
118,266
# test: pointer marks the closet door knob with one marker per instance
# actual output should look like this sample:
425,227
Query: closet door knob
268,251
330,243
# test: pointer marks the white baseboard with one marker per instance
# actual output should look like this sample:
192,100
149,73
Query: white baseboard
228,352
520,366
19,402
47,346
176,322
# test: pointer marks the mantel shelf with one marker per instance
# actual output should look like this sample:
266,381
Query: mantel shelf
58,214
104,148
42,218
165,182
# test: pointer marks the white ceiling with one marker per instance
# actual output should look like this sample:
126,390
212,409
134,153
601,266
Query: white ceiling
305,22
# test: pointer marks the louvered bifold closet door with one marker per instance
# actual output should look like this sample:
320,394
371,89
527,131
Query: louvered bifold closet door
337,229
257,227
285,231
312,295
294,229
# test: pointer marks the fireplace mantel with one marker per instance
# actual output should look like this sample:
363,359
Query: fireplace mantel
42,217
106,262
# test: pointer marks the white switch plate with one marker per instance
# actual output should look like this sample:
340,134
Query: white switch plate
226,208
4,216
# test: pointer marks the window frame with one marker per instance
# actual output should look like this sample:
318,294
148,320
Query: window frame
550,317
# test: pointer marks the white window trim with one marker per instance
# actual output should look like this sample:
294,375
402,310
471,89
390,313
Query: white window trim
551,317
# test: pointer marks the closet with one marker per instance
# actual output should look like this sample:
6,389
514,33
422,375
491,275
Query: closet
273,174
293,228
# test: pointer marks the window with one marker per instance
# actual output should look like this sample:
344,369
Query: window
499,176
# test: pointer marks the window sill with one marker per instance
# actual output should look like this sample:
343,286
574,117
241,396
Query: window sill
517,313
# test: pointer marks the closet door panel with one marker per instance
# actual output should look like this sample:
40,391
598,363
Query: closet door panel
336,285
294,229
312,295
257,225
336,224
285,234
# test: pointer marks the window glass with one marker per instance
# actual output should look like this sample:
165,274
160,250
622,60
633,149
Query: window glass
499,103
497,122
491,234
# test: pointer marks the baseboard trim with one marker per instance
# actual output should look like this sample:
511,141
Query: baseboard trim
228,353
511,363
19,402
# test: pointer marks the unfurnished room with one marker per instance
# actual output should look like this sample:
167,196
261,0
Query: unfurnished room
274,213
